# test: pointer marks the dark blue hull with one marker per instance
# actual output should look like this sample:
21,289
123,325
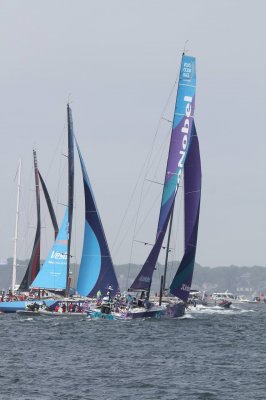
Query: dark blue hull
170,311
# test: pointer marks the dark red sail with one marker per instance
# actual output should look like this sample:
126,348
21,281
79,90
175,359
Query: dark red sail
34,264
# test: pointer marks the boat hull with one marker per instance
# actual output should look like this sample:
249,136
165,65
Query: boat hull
14,306
28,313
158,312
55,314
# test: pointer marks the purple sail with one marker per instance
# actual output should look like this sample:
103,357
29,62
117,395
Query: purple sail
181,283
178,150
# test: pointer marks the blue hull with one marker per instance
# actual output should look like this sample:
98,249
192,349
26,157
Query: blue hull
14,306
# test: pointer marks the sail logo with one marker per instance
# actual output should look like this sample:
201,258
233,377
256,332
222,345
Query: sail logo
188,71
185,288
145,279
185,130
58,256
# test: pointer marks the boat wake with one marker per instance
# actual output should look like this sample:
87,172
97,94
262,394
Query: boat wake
200,309
187,316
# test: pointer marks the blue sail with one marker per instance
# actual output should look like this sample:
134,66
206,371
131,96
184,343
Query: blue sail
54,270
178,150
181,284
96,268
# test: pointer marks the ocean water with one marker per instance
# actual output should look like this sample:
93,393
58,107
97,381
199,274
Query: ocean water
211,354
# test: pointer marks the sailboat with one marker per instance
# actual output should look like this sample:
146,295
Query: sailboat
96,273
183,158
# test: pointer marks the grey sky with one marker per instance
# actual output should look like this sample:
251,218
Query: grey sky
119,60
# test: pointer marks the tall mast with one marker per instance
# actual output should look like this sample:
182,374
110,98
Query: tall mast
70,189
14,269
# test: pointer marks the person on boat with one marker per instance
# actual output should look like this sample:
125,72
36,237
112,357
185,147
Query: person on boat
99,295
109,292
146,303
129,301
74,307
63,308
43,306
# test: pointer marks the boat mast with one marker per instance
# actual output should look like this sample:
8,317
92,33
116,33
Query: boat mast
14,269
70,191
168,248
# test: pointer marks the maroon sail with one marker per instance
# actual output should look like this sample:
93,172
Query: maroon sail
34,264
49,205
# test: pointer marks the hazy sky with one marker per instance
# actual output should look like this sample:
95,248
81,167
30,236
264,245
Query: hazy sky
119,61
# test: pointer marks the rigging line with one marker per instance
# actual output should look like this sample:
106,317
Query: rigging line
158,183
56,151
147,168
157,157
146,161
129,203
185,50
148,213
133,219
166,142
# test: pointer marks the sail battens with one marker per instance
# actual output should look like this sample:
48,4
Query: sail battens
184,84
183,115
193,191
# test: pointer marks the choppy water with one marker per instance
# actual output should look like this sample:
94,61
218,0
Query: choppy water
206,355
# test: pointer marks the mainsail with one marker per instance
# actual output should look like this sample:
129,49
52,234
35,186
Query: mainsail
181,284
34,264
96,268
49,205
179,145
53,273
